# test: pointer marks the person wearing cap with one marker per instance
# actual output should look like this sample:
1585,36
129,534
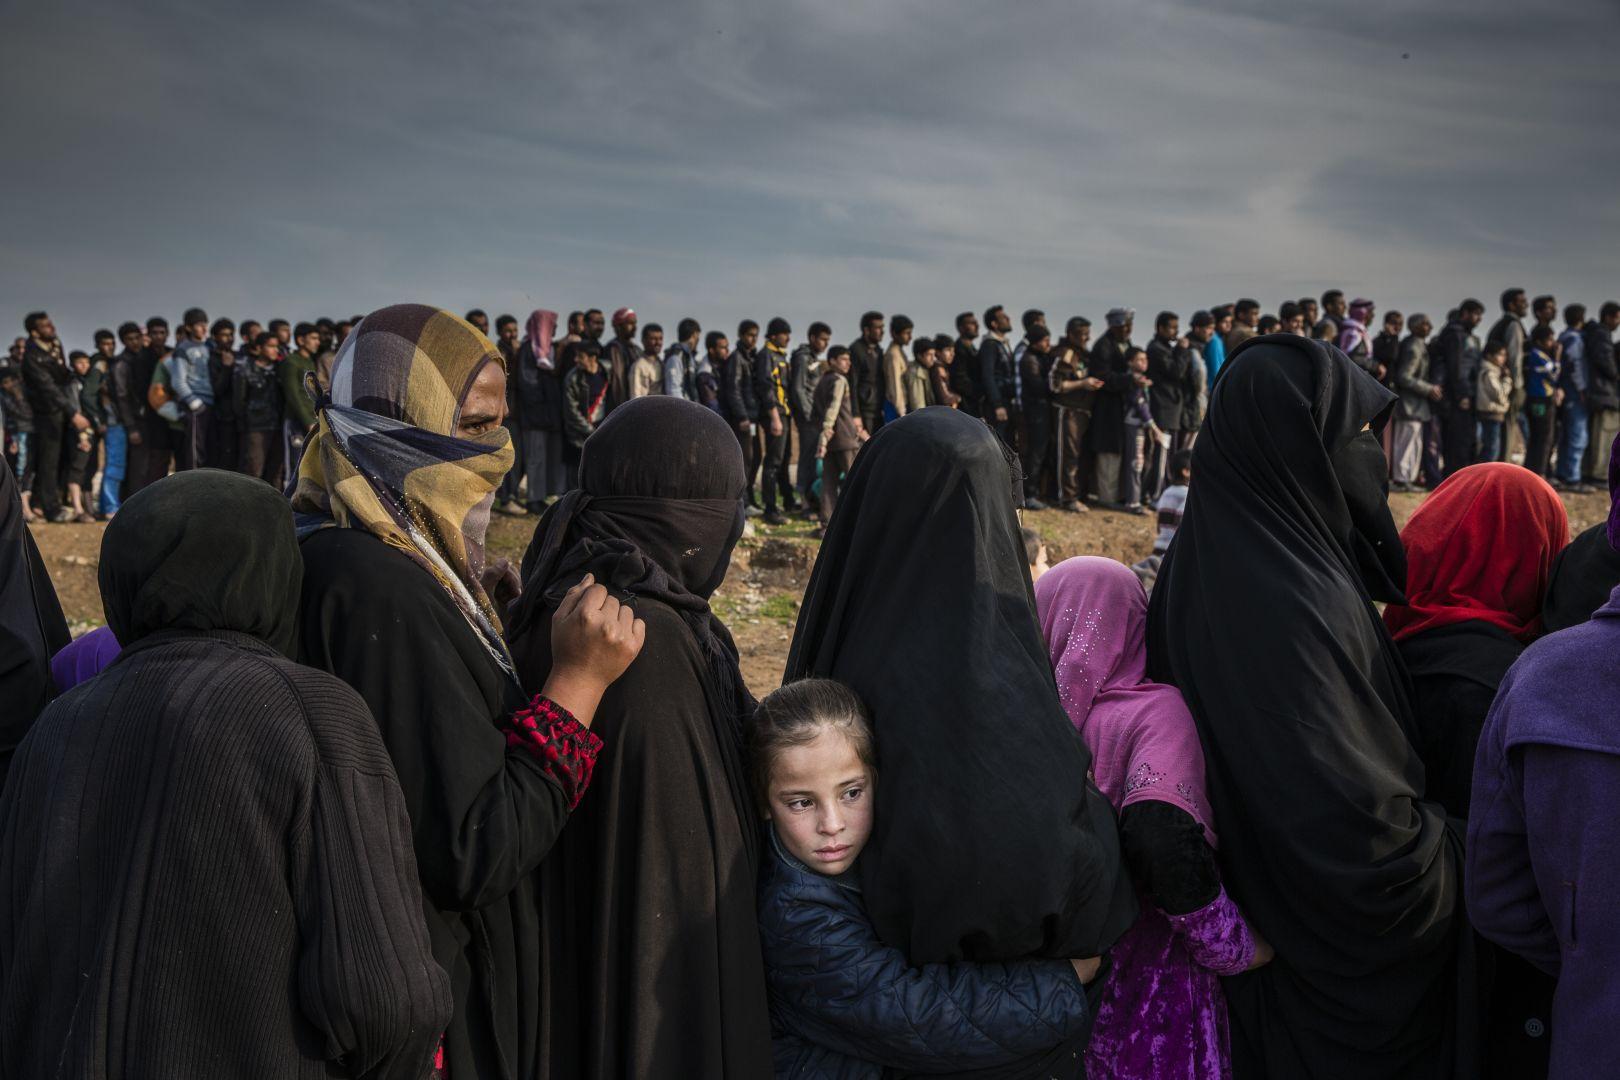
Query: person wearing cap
620,356
1109,362
771,389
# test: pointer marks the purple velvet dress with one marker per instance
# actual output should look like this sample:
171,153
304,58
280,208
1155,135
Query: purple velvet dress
1163,1016
1163,1012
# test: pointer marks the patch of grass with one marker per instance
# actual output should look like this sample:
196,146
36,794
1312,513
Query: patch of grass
780,608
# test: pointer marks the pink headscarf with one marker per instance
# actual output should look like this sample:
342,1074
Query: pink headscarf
1141,736
541,326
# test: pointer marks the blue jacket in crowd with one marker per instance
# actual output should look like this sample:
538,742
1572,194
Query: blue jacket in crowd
189,373
1573,376
845,1006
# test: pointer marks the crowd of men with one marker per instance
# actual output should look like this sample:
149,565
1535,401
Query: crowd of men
1092,422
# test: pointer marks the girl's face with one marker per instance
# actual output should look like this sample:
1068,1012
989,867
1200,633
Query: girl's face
821,802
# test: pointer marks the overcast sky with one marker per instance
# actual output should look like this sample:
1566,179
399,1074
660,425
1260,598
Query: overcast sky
811,158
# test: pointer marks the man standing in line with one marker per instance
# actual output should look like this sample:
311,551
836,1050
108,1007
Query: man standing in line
48,385
1457,358
866,371
476,316
680,360
128,403
1334,310
621,355
1307,314
1169,361
1196,401
1603,392
1508,332
996,376
1386,347
225,432
157,436
1415,407
964,363
1215,348
294,372
1109,437
1245,324
741,403
1545,310
1034,364
509,498
896,359
804,372
647,373
839,433
1574,379
770,388
1073,391
192,387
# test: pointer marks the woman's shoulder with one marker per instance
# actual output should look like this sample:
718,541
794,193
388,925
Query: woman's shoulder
359,562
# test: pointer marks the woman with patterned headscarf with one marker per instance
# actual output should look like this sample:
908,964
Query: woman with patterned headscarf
392,502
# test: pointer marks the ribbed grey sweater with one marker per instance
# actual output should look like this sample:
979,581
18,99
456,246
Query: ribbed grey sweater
206,871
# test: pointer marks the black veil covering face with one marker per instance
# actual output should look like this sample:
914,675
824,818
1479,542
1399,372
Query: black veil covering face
651,962
989,842
1263,615
32,628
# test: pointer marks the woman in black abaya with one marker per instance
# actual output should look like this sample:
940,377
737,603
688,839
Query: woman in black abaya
1263,615
32,628
989,843
651,961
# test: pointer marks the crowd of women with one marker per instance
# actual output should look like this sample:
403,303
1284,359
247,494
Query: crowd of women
335,793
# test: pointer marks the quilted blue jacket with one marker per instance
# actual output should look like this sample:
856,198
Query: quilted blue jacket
845,1006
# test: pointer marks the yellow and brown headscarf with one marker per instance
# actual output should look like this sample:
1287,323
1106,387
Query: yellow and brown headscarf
385,457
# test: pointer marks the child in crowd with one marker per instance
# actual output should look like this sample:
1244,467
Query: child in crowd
1034,552
19,436
1493,400
81,460
1172,504
1162,1012
1139,428
843,1003
1542,397
841,433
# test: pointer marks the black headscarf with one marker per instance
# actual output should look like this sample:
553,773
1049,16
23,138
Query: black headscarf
32,628
657,513
988,843
1263,615
203,550
650,939
1583,575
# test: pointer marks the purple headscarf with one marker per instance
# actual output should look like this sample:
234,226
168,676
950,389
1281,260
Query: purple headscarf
84,658
1142,739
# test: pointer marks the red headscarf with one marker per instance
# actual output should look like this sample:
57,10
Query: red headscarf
1481,547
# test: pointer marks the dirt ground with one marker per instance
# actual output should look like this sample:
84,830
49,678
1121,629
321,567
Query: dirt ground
760,597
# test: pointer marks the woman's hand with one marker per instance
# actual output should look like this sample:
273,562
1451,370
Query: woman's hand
594,638
1087,969
1263,952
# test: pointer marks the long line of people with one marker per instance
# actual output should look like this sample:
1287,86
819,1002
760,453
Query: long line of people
1094,424
541,828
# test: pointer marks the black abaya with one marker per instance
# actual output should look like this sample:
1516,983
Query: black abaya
988,842
1583,575
32,628
1263,616
651,963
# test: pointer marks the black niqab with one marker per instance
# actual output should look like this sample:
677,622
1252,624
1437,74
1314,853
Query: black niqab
164,566
32,628
651,961
1263,615
988,841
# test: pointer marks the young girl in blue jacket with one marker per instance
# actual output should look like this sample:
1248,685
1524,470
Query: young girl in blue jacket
843,1004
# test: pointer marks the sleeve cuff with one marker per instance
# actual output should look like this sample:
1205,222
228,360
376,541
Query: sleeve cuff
564,748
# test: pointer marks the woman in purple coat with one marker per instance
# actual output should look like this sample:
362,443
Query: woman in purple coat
1543,871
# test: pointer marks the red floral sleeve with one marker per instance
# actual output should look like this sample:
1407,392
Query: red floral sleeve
562,745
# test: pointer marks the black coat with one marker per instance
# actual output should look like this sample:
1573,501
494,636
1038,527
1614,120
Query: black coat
482,814
738,394
48,382
32,629
1107,431
866,381
1597,345
1168,364
204,863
